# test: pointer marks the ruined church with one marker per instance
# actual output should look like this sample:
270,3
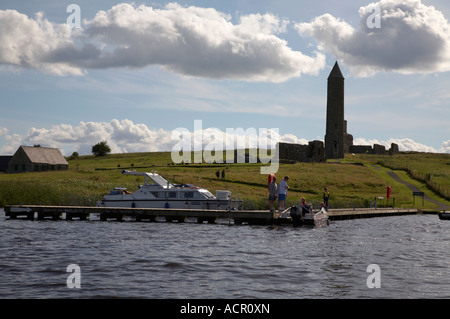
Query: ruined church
337,140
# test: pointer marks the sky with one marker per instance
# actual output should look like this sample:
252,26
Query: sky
133,73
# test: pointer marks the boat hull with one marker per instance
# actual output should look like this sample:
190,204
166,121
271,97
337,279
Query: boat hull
444,216
174,204
318,219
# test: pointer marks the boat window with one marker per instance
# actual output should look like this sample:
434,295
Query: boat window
171,194
155,194
188,194
197,195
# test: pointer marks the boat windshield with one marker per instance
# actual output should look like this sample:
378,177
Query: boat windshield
157,179
206,193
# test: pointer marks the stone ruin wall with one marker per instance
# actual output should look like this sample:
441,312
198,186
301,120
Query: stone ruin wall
313,152
376,149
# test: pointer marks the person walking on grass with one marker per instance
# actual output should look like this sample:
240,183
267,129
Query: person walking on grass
273,193
282,193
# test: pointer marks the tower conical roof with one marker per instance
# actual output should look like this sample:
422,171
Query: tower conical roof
336,72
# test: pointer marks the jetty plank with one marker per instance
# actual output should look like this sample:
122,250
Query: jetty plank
340,214
258,217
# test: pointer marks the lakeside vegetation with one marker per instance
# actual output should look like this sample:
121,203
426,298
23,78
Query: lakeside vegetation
353,182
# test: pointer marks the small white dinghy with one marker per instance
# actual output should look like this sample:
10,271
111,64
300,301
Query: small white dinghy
301,216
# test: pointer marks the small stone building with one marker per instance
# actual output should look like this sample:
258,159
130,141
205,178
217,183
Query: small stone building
37,159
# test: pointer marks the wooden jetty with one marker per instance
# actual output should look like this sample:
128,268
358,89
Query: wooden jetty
350,213
252,217
138,214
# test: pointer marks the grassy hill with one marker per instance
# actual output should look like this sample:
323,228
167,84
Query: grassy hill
353,182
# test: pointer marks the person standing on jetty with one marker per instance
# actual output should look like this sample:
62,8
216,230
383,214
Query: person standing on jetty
282,193
326,196
273,193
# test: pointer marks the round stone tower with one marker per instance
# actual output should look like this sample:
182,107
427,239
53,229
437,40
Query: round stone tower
335,137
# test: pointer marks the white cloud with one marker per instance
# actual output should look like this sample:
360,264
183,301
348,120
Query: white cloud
3,130
12,144
191,41
404,144
27,42
292,139
412,38
124,136
407,144
445,147
363,141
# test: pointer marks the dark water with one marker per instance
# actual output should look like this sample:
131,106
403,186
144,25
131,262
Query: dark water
191,261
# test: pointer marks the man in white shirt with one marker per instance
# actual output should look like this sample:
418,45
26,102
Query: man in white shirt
282,193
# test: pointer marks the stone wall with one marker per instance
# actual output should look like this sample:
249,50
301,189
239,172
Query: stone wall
361,149
313,152
379,149
394,149
375,149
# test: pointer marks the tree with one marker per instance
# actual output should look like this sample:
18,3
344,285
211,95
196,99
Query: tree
101,149
74,155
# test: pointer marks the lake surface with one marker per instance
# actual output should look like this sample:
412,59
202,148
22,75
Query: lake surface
192,261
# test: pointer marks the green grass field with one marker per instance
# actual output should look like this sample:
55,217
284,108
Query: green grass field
354,182
431,169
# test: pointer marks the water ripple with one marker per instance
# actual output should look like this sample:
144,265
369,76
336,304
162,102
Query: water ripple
164,260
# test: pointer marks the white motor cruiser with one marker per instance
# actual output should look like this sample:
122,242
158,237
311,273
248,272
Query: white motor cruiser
157,192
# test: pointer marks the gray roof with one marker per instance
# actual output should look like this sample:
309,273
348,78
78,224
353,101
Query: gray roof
46,155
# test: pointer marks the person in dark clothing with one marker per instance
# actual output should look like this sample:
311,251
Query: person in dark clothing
306,209
326,196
